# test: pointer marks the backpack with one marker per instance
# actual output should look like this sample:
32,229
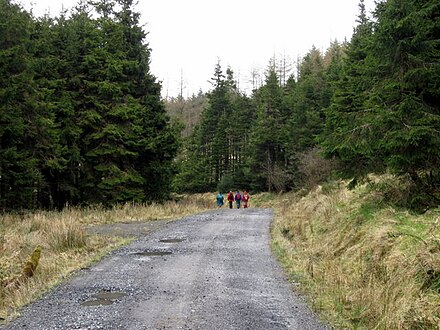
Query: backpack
238,197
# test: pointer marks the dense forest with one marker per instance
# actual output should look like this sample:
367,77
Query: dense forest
81,116
370,105
82,120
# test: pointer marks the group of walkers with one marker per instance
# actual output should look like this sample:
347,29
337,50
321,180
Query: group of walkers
231,197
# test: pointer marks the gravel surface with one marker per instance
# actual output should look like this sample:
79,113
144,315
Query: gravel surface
210,271
131,229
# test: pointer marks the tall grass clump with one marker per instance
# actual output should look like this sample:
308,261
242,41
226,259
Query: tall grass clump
364,263
62,243
66,235
62,247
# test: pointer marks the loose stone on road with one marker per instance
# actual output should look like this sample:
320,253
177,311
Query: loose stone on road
209,271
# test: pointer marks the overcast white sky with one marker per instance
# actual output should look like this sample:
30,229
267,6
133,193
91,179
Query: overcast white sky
187,37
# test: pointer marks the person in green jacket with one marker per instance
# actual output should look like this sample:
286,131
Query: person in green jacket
220,199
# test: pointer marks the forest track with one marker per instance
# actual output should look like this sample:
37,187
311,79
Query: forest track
214,270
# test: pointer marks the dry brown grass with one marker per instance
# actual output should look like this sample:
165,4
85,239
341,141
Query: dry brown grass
187,204
65,246
365,265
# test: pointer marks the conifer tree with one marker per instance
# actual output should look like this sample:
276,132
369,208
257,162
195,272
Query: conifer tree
405,99
215,155
194,169
347,132
26,128
236,127
81,116
50,67
214,139
267,152
128,143
310,100
109,154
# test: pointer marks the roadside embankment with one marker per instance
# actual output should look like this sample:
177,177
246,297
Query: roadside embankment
363,264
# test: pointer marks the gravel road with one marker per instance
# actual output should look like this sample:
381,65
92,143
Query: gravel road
209,271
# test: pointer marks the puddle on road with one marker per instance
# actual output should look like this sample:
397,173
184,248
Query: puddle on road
97,302
109,295
171,240
104,298
154,253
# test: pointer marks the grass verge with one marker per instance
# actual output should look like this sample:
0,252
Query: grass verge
63,246
364,264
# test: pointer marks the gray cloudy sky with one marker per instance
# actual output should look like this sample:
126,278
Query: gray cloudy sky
187,37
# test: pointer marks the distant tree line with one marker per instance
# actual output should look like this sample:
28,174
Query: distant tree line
186,111
81,117
372,105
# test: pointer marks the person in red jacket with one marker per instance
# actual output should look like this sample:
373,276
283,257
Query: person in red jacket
230,199
245,199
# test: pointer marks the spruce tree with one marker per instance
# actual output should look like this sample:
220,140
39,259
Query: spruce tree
50,67
266,145
236,126
25,124
405,99
347,130
215,155
128,143
310,100
194,169
215,142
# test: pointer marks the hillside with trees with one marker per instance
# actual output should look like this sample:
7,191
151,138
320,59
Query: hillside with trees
370,105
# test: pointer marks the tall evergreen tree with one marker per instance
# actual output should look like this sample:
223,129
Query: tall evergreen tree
215,153
194,168
49,64
267,152
127,143
347,132
237,129
81,116
310,100
211,138
25,125
405,99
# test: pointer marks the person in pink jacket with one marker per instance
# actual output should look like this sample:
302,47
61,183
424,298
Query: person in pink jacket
245,198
